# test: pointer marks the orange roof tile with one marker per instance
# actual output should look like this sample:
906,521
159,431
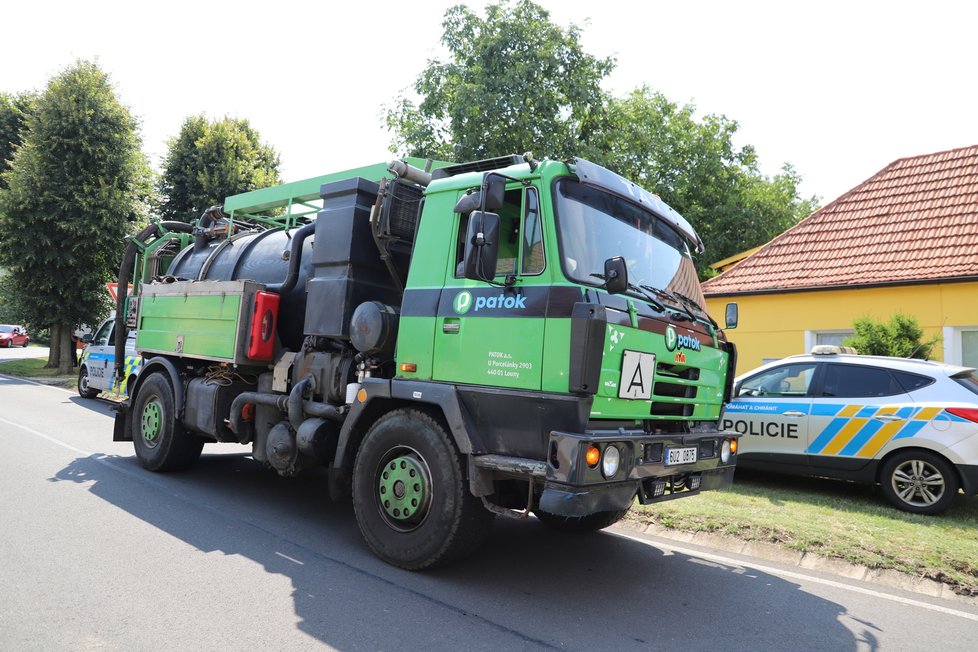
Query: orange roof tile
915,220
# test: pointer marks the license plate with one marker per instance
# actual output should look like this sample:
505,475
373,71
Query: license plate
680,456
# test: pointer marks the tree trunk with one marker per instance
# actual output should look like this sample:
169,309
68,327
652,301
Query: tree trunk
54,353
65,353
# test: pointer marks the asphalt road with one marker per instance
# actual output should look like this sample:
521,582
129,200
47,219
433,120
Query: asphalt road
20,353
96,553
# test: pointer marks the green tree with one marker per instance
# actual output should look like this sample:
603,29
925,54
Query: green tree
75,189
901,337
14,110
210,160
515,82
695,167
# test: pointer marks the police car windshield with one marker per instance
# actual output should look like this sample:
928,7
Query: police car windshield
594,226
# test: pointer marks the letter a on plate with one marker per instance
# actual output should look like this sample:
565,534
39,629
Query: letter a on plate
637,373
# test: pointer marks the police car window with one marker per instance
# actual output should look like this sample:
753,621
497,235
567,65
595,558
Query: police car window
968,381
102,337
855,381
790,380
909,382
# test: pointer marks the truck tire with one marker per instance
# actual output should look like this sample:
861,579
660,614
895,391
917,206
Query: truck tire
581,524
161,442
919,481
84,389
410,494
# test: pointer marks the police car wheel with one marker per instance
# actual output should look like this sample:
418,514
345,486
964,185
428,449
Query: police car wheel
160,440
410,495
580,524
919,481
84,389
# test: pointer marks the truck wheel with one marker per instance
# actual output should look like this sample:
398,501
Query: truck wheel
919,481
84,389
161,442
581,524
410,494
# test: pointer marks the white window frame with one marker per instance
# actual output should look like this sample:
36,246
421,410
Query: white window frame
951,342
811,337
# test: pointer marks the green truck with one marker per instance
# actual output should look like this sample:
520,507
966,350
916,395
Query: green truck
451,341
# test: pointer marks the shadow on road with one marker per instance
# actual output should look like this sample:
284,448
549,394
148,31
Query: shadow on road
529,587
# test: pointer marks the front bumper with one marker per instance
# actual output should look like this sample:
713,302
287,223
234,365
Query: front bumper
571,487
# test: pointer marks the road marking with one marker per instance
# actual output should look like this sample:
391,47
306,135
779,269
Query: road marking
43,436
729,561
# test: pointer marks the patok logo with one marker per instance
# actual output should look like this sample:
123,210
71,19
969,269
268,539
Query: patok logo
676,341
463,301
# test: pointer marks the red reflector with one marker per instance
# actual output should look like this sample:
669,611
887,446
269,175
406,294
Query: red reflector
248,412
262,343
971,414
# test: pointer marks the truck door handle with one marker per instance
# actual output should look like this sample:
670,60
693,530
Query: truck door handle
451,325
888,417
793,413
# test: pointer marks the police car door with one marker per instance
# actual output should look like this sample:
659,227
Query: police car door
771,410
101,353
856,410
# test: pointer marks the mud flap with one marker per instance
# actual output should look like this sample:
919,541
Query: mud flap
122,430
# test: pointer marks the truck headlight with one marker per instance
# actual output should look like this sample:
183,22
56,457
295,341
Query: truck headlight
725,451
610,461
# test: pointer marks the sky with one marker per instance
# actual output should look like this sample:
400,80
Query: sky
837,89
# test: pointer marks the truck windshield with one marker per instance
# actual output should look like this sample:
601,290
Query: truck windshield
594,225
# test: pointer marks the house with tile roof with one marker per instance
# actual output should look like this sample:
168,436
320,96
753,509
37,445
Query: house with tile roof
905,240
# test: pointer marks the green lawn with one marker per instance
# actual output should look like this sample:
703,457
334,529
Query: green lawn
834,519
34,368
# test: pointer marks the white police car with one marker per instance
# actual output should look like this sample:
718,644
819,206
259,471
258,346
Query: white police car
909,425
96,368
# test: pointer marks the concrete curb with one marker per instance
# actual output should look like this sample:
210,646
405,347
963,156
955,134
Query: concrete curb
809,561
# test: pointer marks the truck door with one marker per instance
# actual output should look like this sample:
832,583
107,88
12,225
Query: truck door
492,334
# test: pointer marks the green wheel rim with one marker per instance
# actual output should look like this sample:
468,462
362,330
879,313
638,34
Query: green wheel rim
152,422
404,489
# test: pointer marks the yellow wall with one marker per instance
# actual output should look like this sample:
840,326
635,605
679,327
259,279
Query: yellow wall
774,325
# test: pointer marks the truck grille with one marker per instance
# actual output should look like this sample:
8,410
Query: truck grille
674,382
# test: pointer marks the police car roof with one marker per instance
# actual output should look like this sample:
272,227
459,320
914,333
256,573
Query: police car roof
911,365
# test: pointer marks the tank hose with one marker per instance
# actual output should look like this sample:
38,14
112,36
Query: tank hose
295,256
125,275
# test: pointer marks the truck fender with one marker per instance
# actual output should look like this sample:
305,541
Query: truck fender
122,430
156,364
385,395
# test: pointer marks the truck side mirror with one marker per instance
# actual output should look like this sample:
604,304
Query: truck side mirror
731,315
494,192
481,246
468,203
615,275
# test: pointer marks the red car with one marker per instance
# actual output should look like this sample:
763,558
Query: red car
13,336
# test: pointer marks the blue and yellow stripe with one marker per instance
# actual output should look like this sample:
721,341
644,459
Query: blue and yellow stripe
854,432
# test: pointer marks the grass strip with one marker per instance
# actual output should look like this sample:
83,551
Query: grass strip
839,520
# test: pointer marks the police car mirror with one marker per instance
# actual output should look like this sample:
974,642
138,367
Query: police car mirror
481,246
87,338
731,316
